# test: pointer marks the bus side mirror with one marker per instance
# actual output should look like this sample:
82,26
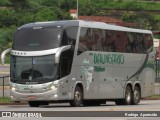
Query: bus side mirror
3,55
60,50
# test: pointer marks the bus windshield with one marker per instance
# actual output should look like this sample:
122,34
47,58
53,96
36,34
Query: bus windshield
37,39
33,69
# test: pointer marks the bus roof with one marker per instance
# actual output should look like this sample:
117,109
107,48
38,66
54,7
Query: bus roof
82,23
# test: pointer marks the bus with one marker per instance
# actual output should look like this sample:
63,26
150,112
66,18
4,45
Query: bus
83,63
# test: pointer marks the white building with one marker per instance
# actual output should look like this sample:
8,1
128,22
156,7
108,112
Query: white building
73,13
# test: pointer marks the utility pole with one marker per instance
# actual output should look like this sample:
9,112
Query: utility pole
77,9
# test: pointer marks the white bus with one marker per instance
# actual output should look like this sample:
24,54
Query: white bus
81,62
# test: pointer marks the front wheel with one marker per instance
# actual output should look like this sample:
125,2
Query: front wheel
37,103
136,96
78,97
34,103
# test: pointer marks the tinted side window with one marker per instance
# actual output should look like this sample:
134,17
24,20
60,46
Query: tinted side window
148,43
121,41
132,43
139,43
114,41
98,38
84,40
109,43
69,36
66,59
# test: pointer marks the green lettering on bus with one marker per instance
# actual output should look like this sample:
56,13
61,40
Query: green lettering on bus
108,58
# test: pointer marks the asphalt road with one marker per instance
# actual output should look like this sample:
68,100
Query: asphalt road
63,111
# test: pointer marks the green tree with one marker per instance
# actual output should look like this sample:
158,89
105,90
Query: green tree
46,14
143,23
51,3
8,18
68,4
87,9
6,37
19,4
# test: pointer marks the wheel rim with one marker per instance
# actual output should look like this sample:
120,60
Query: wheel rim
136,95
77,96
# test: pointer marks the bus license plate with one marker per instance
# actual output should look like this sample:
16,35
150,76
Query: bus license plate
32,97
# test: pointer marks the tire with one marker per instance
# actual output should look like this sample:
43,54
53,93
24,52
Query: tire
136,96
128,97
78,98
34,103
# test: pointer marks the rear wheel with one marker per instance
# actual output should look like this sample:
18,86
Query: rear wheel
78,97
136,96
128,97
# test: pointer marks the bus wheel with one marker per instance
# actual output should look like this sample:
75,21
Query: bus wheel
128,98
136,96
34,103
78,97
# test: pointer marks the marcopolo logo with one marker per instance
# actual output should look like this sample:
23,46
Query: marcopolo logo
108,58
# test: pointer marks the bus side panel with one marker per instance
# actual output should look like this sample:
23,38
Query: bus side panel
104,75
147,83
147,77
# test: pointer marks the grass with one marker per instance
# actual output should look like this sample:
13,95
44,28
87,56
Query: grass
133,5
155,96
5,100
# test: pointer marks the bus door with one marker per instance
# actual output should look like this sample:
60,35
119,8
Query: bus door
64,71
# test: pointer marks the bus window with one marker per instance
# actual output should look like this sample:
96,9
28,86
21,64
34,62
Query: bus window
148,43
69,36
64,67
37,39
109,44
97,40
140,41
84,40
64,39
132,43
121,41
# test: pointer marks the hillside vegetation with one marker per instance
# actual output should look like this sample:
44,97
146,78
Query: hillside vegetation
15,13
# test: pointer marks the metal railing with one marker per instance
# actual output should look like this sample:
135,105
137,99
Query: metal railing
157,71
3,83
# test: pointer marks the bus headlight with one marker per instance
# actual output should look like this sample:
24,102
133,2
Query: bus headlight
55,86
13,89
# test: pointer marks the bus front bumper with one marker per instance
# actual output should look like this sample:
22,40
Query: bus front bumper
50,95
